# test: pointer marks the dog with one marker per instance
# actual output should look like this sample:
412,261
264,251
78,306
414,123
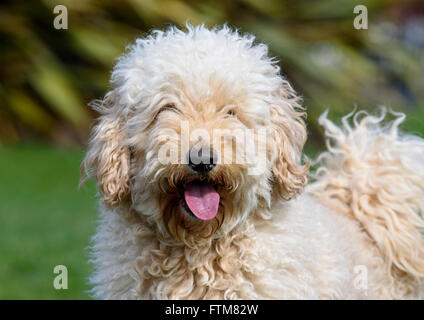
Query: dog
209,227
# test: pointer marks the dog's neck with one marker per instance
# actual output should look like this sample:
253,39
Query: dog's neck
216,269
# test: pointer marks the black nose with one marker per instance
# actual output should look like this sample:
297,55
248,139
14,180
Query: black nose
202,160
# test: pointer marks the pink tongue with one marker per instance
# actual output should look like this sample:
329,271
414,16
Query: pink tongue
202,199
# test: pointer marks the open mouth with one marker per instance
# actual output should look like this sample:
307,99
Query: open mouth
201,200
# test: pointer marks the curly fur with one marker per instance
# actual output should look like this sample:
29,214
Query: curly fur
272,238
375,176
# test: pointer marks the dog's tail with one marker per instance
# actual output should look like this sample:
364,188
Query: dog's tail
374,174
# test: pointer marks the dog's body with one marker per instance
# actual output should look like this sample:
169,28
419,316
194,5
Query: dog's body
306,252
353,233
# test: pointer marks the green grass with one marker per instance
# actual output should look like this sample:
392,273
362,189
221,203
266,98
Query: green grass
44,221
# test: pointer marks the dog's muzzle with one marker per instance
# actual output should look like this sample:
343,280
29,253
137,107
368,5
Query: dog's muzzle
202,160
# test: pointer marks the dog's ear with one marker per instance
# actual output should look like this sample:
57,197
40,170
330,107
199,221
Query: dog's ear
288,135
107,157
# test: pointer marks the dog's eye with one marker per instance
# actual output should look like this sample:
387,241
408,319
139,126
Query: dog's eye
231,113
169,107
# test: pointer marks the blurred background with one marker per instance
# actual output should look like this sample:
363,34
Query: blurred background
48,76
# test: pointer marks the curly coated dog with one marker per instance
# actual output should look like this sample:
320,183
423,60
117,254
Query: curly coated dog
198,157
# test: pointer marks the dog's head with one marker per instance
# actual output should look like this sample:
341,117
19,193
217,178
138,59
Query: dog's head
199,131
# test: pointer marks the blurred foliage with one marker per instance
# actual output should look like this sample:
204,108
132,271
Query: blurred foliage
48,76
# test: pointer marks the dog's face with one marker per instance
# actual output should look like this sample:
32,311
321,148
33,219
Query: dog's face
199,131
